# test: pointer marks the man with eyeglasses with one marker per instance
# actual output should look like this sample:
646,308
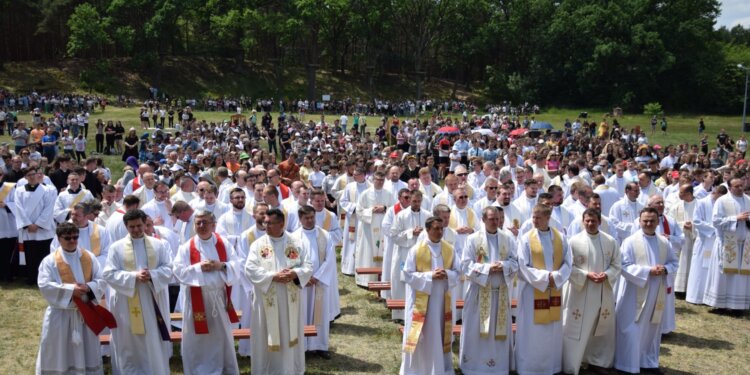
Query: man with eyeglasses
70,279
207,267
91,236
35,223
278,267
138,271
491,186
462,173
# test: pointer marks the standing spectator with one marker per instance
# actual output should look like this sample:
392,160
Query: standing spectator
119,133
131,145
664,125
701,126
20,136
99,136
80,147
49,144
741,145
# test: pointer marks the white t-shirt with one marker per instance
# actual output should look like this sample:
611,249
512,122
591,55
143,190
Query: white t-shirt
80,144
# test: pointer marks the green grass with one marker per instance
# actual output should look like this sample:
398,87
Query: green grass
364,341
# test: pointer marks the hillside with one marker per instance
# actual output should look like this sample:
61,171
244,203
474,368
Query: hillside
192,76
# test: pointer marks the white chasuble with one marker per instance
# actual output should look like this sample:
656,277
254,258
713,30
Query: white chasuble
588,307
278,311
486,336
370,237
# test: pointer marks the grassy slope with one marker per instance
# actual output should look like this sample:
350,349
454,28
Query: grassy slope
216,77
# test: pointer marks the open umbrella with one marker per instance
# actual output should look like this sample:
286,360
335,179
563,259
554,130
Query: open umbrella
541,125
449,130
518,132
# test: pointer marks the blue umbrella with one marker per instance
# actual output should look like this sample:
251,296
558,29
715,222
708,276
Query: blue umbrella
541,125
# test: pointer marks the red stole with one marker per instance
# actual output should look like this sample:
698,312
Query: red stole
199,308
284,191
136,183
665,225
397,208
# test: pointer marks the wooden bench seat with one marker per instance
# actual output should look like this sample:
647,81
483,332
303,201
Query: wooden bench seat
238,334
399,304
369,271
377,286
456,329
176,317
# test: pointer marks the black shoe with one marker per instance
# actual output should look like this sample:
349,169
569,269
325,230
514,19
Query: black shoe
652,370
459,322
337,316
325,354
398,321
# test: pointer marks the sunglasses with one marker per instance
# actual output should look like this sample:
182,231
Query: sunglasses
463,197
462,174
70,238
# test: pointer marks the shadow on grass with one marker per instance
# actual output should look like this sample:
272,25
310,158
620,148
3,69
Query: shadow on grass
683,339
339,362
348,310
683,310
353,329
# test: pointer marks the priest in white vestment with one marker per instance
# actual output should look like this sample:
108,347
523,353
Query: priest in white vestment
207,268
160,208
138,270
607,193
588,297
489,264
146,192
91,236
407,228
371,206
210,203
703,246
544,265
317,243
624,212
431,271
67,344
526,202
389,248
605,225
647,259
245,303
682,212
328,221
278,267
348,203
728,283
72,195
490,187
33,205
115,225
237,220
428,188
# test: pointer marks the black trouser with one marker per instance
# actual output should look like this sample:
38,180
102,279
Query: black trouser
85,130
174,291
8,263
110,143
272,147
100,143
80,155
35,251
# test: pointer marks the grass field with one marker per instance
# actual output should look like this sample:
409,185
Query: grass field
364,341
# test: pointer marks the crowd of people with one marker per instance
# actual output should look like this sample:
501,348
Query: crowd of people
583,237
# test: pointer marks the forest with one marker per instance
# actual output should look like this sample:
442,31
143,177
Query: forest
553,52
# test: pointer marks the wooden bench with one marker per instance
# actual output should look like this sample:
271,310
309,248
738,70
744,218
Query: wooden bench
176,317
399,304
369,271
456,329
377,286
238,334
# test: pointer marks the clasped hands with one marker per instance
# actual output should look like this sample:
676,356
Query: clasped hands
439,274
597,277
465,230
496,267
143,275
80,290
211,265
658,270
285,276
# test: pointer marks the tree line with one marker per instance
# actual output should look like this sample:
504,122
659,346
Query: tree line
555,52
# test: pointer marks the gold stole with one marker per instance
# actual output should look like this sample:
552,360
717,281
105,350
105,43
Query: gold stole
546,303
95,239
419,313
453,221
251,236
270,299
78,198
327,220
66,274
318,304
732,263
137,326
5,191
640,247
353,218
485,292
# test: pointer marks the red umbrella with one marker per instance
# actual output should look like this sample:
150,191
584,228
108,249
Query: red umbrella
449,130
518,132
